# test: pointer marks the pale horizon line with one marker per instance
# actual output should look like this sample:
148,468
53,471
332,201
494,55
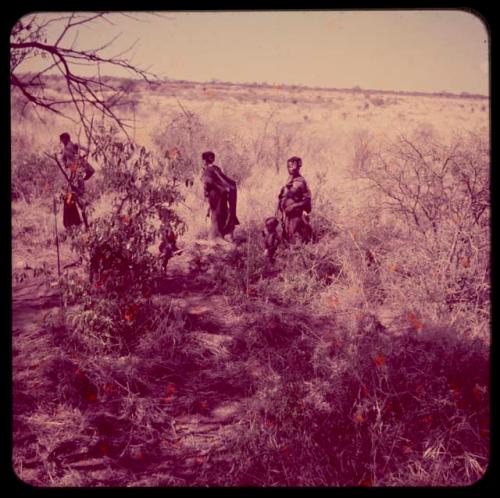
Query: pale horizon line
216,81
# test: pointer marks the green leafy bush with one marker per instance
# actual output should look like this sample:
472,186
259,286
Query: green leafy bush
116,296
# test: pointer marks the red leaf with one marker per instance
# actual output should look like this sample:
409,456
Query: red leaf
427,420
379,360
417,324
484,428
359,418
477,393
484,432
130,312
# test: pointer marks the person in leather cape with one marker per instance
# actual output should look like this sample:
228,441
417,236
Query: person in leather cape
221,193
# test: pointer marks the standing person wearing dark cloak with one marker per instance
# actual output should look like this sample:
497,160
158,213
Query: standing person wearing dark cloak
220,191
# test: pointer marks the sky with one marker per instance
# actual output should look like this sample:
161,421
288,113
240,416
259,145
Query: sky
412,50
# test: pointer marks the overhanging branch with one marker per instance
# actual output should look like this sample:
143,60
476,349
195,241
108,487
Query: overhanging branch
85,92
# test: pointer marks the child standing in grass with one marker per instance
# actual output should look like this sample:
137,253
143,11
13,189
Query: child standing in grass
271,238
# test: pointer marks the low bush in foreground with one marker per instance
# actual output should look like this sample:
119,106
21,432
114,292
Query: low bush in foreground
363,409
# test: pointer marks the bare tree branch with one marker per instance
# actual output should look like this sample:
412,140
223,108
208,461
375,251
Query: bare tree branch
85,93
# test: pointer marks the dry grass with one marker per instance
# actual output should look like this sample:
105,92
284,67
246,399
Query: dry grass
343,364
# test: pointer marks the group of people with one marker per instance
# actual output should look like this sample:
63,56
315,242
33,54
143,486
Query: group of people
292,211
294,205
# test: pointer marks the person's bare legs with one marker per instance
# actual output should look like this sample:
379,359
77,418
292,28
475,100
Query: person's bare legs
213,232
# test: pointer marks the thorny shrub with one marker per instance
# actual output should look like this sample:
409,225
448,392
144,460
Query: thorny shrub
437,196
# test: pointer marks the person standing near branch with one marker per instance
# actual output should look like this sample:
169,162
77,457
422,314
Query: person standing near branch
220,191
80,171
294,203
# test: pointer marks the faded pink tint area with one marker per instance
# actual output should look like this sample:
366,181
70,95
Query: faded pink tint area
263,257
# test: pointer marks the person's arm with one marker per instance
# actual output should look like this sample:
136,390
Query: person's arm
279,207
89,170
300,190
64,156
306,199
207,182
223,182
207,187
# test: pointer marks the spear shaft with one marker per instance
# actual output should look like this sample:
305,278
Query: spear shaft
54,208
54,158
